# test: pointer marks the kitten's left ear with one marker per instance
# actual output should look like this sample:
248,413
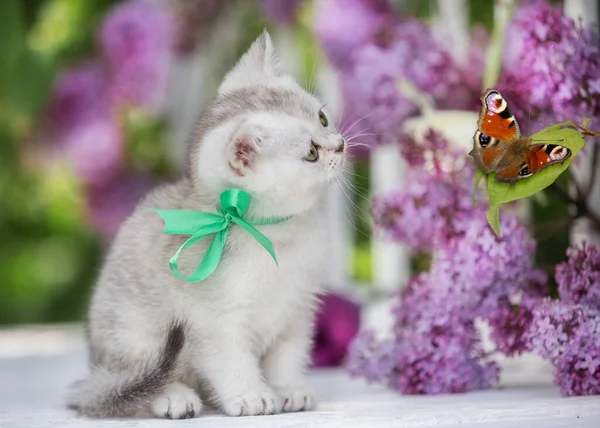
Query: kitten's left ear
257,65
243,149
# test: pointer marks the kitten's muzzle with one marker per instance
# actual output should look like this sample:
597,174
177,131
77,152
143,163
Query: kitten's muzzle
341,147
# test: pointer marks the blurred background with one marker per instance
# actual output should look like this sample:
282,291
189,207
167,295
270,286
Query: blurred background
98,98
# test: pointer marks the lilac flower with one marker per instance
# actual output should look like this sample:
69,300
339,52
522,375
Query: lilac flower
579,278
82,123
555,325
472,274
371,358
110,203
578,368
79,95
412,53
137,39
439,363
94,149
338,320
510,324
551,69
435,204
345,25
282,11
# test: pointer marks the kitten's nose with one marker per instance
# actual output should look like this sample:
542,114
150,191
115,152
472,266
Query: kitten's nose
340,148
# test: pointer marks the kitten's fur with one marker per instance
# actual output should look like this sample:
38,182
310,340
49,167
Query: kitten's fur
242,337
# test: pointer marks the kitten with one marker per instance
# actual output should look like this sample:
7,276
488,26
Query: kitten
241,338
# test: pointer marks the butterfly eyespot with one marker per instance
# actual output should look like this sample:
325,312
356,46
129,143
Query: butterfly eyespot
484,140
524,171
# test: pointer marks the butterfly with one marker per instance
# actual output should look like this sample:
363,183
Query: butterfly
498,144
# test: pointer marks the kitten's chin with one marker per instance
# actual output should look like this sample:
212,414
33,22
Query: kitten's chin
285,205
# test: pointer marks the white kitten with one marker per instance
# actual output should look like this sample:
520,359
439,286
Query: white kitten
242,337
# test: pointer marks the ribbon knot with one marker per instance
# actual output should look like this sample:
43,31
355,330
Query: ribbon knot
234,205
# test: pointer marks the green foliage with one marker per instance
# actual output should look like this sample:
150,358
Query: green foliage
48,255
500,193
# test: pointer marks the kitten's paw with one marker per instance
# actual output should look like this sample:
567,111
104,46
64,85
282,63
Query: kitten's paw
297,399
262,401
177,402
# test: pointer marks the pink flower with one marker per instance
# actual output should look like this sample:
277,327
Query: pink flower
83,124
344,25
138,41
282,11
337,323
110,203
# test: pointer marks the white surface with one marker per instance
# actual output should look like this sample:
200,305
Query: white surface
36,366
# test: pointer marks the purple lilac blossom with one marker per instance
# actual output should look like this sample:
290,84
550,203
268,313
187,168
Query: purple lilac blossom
83,123
138,42
338,321
281,11
474,274
413,53
435,204
578,278
371,358
479,269
342,26
578,367
551,72
430,353
568,335
110,203
555,325
442,362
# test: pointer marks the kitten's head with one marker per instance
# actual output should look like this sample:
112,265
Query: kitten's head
268,136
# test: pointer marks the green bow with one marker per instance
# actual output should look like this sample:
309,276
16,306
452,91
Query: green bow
200,224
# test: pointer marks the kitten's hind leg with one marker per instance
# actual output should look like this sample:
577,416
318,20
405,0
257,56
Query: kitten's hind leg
177,401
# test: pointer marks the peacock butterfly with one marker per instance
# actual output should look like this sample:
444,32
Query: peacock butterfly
498,144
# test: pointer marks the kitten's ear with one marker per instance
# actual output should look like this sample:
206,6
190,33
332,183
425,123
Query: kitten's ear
257,65
243,149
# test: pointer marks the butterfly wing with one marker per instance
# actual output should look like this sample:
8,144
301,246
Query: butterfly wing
497,127
496,119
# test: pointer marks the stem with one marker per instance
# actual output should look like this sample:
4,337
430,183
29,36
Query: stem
503,12
590,184
580,205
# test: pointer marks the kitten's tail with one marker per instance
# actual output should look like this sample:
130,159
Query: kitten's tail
108,394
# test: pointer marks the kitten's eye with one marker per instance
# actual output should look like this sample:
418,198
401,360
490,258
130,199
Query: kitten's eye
313,154
323,118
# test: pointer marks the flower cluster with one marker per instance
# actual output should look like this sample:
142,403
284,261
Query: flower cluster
136,41
281,11
435,204
552,70
379,53
566,332
337,324
474,275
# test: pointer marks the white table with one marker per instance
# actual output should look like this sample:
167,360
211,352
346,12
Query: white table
37,365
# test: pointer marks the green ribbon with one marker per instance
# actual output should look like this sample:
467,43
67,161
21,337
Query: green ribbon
200,224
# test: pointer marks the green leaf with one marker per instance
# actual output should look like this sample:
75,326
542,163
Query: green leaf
12,41
500,193
479,175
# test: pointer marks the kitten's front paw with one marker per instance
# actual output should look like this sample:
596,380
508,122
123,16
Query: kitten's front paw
297,399
259,402
177,402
